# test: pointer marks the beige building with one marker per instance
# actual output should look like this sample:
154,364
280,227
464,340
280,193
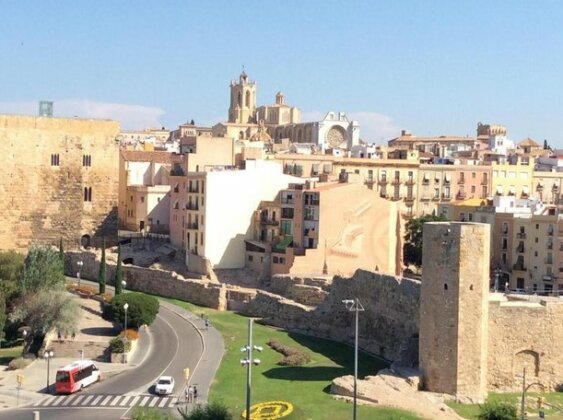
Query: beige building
321,228
513,179
59,180
144,187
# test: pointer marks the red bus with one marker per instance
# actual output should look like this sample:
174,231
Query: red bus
77,375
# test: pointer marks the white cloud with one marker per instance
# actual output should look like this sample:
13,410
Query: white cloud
129,116
374,127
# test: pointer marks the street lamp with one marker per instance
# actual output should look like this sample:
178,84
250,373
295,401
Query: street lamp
123,283
48,355
248,363
80,263
354,305
125,307
24,334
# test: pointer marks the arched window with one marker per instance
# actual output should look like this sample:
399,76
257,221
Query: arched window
247,99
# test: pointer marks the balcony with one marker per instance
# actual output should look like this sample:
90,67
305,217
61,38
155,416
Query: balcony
425,198
461,181
193,189
461,195
519,267
369,181
547,260
485,181
407,215
383,181
409,199
550,232
271,222
425,181
436,198
520,248
396,181
547,277
446,197
286,200
192,206
410,181
521,235
192,226
447,181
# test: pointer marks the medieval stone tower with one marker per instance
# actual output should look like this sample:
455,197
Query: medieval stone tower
454,309
243,101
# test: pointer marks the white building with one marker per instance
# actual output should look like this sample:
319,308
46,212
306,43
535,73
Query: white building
220,213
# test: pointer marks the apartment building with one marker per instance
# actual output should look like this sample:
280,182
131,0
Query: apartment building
513,178
144,186
329,227
213,210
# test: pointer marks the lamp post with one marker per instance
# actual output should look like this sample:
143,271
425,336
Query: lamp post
80,263
48,355
125,307
354,305
24,334
248,363
123,284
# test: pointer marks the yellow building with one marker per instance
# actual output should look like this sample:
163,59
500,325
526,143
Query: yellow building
513,179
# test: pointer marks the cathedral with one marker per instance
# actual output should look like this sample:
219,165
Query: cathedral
273,123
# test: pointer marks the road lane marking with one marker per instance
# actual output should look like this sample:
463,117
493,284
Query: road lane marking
105,401
137,398
98,398
56,400
42,401
115,400
87,400
68,400
77,400
173,402
124,401
153,401
142,403
163,402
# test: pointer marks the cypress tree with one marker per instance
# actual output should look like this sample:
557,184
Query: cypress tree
118,273
102,273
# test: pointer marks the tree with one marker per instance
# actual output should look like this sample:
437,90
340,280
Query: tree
498,410
11,269
44,310
61,251
212,411
43,269
142,309
102,272
118,273
412,249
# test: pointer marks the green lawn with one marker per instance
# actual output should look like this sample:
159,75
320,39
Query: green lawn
470,411
305,387
9,353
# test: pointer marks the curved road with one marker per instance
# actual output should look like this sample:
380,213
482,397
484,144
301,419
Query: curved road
175,345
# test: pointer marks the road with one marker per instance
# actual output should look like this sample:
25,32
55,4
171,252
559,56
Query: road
175,345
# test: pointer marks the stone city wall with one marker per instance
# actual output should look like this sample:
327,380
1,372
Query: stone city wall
159,282
525,333
311,291
389,321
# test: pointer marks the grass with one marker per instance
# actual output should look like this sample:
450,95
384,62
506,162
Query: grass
306,387
9,353
471,411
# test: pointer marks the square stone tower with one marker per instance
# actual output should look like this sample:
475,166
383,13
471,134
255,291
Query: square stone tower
454,309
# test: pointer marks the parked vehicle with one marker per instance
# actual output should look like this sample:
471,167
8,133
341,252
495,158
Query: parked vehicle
77,375
165,385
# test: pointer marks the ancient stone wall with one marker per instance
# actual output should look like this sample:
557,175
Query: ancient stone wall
525,334
47,164
390,318
159,282
310,291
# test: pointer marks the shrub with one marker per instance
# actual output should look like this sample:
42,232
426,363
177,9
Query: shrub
19,363
142,309
118,345
292,356
216,410
131,334
499,410
140,413
87,290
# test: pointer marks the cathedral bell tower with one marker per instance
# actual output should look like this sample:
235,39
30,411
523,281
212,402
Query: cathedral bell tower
243,101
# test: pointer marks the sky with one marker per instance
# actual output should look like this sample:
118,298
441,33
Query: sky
432,67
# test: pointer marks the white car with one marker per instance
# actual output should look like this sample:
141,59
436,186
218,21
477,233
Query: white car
165,385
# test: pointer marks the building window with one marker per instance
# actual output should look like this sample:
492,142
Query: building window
142,199
55,159
86,160
286,227
250,258
201,239
87,193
